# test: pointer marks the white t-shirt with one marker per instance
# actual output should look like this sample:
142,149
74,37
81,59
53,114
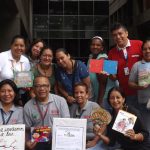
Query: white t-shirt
8,65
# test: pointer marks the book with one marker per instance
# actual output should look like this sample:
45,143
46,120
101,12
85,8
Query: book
109,66
124,121
100,118
40,134
23,79
143,74
96,66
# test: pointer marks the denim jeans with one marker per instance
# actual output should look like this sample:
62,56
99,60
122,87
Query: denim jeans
99,146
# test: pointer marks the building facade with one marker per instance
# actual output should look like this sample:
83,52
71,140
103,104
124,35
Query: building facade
70,23
135,14
15,18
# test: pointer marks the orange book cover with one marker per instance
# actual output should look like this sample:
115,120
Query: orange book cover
96,66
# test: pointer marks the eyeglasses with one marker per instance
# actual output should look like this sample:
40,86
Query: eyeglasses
41,86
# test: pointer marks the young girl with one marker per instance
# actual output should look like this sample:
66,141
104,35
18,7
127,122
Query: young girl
100,83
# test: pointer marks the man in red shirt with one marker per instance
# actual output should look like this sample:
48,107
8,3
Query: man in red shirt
126,52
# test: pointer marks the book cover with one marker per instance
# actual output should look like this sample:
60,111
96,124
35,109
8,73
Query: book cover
40,134
96,66
124,121
23,79
110,66
144,74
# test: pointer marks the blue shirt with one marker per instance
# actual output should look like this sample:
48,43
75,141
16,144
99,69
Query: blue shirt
69,80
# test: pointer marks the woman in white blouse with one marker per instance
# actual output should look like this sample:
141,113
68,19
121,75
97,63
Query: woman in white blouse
13,59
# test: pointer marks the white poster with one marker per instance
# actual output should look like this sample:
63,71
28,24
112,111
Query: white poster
12,137
69,134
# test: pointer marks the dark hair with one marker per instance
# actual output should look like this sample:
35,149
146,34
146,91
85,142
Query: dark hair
100,39
62,50
115,89
43,49
15,89
17,37
82,84
40,76
145,41
117,26
29,52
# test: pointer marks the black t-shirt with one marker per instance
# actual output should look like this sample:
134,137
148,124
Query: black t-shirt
124,141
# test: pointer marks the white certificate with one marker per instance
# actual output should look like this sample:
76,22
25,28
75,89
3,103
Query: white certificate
69,134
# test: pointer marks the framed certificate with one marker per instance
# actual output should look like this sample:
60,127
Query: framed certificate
23,79
69,134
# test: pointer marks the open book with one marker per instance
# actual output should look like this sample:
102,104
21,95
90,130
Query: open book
109,66
124,121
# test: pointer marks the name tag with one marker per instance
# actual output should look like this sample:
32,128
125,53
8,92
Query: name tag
126,71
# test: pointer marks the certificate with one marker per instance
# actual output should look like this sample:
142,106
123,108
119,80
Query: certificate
23,79
69,134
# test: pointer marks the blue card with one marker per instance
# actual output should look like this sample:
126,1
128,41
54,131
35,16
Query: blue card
110,66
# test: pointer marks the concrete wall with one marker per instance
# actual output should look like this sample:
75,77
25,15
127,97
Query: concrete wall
16,18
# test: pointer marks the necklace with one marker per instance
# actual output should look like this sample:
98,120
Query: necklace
45,71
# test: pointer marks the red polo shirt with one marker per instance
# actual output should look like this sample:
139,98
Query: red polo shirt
134,54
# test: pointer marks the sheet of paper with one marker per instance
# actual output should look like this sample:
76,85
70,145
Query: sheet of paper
69,134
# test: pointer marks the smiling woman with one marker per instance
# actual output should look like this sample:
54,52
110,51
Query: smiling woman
136,138
10,112
14,59
68,73
45,67
140,80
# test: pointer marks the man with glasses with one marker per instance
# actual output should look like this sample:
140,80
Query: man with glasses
41,110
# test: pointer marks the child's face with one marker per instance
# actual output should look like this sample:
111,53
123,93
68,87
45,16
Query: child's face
96,46
36,135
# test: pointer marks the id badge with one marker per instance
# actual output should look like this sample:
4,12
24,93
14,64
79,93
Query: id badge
126,71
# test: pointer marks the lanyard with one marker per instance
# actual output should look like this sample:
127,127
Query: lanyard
5,121
81,113
40,112
13,66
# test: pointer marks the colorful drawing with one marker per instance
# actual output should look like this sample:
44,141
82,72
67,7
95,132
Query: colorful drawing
40,134
124,121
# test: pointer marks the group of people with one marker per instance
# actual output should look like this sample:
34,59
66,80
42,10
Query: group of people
67,89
